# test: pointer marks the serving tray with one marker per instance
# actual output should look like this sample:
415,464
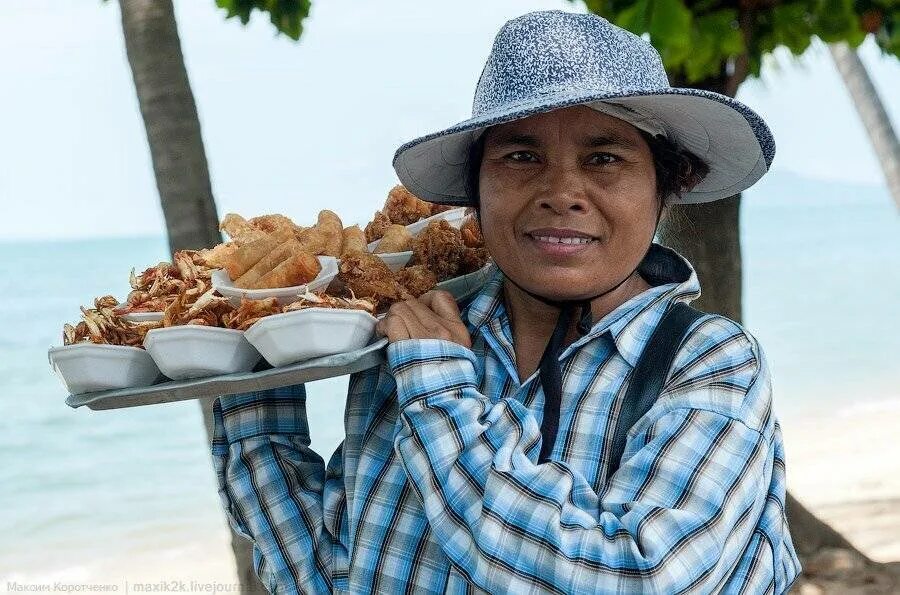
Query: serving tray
180,390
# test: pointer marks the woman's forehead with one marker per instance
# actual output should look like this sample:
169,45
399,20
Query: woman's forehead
578,124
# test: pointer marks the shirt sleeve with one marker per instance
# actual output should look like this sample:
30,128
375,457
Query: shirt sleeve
276,490
676,516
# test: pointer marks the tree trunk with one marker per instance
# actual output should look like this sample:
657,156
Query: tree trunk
872,112
708,236
179,160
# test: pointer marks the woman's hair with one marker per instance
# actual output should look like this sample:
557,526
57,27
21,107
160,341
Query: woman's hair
677,170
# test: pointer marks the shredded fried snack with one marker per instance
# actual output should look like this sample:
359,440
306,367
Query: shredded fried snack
158,287
103,326
323,300
249,312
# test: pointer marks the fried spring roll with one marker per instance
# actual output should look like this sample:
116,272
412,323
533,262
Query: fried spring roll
330,225
298,269
267,263
396,239
354,240
243,259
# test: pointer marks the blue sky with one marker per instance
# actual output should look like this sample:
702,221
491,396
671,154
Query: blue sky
297,127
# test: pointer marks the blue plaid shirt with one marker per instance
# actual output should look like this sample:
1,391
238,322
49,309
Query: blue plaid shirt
436,488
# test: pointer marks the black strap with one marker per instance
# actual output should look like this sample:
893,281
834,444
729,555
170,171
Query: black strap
551,381
650,373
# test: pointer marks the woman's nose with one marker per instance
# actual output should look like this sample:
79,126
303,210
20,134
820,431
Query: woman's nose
564,191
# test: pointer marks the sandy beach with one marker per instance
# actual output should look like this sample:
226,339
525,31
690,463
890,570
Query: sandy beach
845,467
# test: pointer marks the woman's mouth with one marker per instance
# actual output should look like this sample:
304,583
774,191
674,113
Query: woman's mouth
560,242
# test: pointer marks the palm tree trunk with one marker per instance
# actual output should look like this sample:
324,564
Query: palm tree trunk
871,111
179,159
708,236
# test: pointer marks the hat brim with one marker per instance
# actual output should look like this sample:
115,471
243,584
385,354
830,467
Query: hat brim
731,138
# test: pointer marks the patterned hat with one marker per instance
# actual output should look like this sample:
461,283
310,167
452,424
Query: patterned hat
547,60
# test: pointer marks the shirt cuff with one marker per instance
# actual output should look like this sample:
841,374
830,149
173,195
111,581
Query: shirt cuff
424,367
275,411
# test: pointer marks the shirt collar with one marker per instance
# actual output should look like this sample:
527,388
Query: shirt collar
671,276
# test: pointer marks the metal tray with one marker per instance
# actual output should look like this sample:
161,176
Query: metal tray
179,390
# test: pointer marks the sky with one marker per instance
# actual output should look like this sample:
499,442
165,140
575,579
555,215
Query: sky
295,127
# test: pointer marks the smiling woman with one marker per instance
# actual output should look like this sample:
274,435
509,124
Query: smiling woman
513,446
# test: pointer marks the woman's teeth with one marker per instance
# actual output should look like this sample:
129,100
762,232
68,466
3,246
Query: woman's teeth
555,240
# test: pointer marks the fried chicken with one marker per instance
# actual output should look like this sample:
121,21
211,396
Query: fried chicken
366,275
472,259
471,233
439,247
403,207
376,227
417,279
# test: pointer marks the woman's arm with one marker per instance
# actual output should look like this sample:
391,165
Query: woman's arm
275,490
677,515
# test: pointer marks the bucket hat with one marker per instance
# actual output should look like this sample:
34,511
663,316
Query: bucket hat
548,60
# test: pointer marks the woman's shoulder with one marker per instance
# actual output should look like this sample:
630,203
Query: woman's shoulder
721,367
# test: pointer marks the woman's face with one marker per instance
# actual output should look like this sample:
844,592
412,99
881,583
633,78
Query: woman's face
568,201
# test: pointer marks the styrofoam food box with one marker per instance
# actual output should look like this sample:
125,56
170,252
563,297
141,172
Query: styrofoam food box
396,260
224,285
194,351
87,367
454,217
312,332
142,316
464,286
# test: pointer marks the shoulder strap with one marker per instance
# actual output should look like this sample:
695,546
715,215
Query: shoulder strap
650,373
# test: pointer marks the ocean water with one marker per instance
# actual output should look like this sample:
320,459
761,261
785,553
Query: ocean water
83,491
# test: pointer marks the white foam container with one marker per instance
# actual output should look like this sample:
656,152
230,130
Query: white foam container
87,367
312,332
454,217
396,260
464,286
194,351
142,316
224,285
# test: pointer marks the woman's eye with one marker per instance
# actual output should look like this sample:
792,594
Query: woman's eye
602,159
521,156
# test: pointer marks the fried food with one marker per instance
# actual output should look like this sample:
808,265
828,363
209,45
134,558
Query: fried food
472,259
205,310
298,268
248,255
436,208
101,325
249,279
403,207
333,229
396,239
218,255
354,240
471,233
237,227
416,279
439,247
323,300
376,227
157,287
273,223
249,312
366,275
313,240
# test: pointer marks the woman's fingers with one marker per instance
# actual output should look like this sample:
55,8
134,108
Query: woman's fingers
415,319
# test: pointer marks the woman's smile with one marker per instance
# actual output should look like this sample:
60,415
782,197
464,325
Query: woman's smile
559,241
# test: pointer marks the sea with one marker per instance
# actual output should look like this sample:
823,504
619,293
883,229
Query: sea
110,495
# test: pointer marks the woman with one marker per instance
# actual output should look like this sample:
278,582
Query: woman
482,456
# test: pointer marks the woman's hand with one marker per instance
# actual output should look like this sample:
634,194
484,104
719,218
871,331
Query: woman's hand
434,315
